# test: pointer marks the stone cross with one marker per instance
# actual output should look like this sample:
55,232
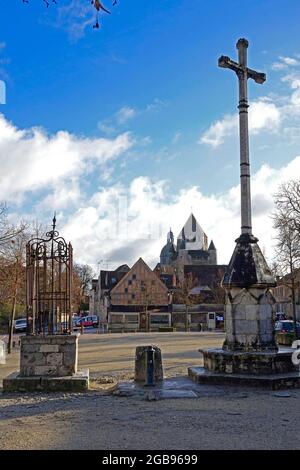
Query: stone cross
243,73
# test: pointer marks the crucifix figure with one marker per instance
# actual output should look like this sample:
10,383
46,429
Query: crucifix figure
243,74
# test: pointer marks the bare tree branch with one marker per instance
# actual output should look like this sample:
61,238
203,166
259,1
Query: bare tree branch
286,221
95,4
7,231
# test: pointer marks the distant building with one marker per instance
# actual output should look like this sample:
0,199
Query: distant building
283,295
131,299
100,292
201,294
198,277
191,249
140,300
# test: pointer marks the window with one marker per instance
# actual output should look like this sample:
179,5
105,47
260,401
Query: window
130,282
134,277
160,319
126,290
133,296
116,318
131,318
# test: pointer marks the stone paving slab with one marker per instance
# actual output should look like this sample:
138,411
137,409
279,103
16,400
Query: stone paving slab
173,393
176,387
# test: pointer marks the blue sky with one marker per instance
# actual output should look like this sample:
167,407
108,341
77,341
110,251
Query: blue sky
145,88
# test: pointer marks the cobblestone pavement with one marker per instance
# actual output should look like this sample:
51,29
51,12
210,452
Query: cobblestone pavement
219,418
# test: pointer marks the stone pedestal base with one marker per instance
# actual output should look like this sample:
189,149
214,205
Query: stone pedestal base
259,363
78,382
271,381
48,364
274,370
51,355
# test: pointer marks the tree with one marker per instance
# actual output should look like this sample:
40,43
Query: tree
13,258
83,275
96,4
146,295
287,223
217,290
182,295
287,203
7,231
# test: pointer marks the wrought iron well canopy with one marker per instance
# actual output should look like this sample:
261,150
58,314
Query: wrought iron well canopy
49,265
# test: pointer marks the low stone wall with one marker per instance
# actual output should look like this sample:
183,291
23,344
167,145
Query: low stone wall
55,356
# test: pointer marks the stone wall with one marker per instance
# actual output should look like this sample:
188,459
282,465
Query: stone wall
55,356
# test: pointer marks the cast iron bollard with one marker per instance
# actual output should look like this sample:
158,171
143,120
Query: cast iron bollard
149,382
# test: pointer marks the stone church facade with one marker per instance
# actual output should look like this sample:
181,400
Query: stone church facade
198,276
190,249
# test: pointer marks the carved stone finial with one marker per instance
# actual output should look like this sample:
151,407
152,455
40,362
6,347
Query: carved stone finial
242,43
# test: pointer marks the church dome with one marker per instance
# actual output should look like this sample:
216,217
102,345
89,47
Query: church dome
168,249
168,253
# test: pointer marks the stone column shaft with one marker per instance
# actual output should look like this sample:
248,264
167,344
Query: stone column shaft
246,222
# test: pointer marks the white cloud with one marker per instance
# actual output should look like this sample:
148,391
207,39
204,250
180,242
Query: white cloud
74,18
285,62
291,108
156,105
32,160
122,223
111,124
176,137
65,194
263,115
125,114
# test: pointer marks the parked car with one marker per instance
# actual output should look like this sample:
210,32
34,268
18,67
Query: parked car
90,320
75,320
20,325
286,326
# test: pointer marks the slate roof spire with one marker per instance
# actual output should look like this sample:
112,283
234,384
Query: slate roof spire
192,236
212,246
